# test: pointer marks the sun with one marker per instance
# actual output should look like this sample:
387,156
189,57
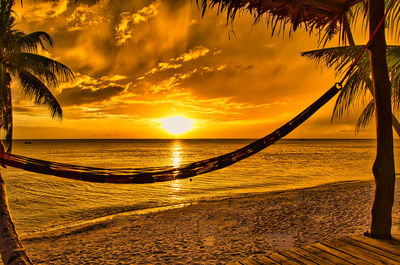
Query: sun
176,125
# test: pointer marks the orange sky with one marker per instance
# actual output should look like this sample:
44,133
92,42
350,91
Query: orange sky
136,62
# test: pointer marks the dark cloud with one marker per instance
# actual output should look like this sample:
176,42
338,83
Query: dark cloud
25,110
79,96
174,5
86,2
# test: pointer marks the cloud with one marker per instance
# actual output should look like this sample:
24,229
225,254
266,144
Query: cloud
42,10
22,109
88,90
114,78
79,96
83,18
178,62
162,67
128,21
193,54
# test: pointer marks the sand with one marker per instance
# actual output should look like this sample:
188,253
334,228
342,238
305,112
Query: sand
216,232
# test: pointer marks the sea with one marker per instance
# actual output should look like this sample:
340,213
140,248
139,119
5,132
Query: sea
42,202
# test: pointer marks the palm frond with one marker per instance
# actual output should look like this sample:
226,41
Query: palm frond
45,68
366,116
393,58
338,58
6,107
7,21
393,19
7,18
39,92
353,90
359,12
321,16
7,122
30,42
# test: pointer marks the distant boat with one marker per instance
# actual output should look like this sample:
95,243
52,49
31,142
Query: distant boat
27,142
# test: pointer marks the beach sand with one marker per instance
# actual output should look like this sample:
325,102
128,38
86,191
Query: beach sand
216,232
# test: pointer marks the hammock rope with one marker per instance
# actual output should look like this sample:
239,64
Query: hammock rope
158,174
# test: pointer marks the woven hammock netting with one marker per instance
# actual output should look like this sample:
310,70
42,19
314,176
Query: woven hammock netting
158,174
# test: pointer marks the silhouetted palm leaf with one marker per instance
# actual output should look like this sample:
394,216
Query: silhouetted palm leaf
322,16
359,12
30,42
34,89
366,116
45,68
6,106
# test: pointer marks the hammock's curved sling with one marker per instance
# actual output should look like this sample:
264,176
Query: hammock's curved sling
149,175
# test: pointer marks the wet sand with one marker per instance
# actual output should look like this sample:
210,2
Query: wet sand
216,232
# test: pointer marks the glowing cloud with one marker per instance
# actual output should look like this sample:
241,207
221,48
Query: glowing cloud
196,52
124,29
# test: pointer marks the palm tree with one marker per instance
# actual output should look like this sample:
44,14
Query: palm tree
34,73
383,65
20,62
324,16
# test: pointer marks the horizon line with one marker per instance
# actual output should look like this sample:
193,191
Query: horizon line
241,138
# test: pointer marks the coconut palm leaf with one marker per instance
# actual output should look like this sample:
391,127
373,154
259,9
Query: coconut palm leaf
45,68
338,58
353,91
359,12
39,92
366,116
30,42
7,122
5,106
393,19
7,21
322,16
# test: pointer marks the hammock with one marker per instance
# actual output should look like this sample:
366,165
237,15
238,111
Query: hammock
157,174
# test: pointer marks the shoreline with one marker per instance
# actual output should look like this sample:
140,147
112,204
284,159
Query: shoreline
217,231
85,225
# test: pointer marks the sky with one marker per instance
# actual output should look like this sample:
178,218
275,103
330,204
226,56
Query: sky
138,62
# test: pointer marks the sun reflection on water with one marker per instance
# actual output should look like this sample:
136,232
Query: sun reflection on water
176,162
176,154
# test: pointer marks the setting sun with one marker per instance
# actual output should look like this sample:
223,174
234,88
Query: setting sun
176,125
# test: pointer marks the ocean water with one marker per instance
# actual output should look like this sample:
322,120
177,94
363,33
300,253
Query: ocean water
41,202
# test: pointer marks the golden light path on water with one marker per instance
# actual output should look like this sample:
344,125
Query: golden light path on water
176,156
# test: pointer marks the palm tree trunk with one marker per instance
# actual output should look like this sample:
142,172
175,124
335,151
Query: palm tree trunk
347,30
383,167
11,248
350,39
